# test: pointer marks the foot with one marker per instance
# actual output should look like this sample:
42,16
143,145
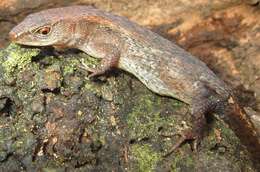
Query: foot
186,136
96,72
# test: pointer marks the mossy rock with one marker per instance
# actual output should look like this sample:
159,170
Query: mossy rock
54,118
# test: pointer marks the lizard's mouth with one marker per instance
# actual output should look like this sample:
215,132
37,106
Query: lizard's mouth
13,36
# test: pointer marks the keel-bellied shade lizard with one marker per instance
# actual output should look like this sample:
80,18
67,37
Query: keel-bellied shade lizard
161,65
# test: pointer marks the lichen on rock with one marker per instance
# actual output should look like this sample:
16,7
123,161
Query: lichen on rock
17,58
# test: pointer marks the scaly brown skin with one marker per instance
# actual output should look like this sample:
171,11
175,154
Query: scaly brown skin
161,65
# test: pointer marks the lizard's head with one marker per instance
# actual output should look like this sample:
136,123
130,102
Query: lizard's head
42,29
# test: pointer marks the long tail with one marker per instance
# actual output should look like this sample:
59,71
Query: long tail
243,127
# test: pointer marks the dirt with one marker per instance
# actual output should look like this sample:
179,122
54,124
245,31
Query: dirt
54,119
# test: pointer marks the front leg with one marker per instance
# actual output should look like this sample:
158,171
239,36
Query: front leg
110,56
106,44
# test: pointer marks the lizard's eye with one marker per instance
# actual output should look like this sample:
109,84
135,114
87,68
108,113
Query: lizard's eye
44,30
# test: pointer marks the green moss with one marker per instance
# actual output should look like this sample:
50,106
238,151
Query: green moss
227,133
228,137
70,66
18,57
82,60
146,157
145,118
93,87
88,61
141,124
49,170
181,163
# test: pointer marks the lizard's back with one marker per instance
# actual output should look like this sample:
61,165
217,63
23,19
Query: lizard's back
160,64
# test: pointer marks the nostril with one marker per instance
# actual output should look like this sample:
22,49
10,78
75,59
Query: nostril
12,36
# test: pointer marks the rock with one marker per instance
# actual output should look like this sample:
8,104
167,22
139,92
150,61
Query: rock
3,103
87,129
50,79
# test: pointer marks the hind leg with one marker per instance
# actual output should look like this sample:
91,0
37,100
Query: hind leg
201,105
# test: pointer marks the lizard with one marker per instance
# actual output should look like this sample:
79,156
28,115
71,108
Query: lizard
161,65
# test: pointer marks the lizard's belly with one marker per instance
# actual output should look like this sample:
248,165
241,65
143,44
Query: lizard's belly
161,82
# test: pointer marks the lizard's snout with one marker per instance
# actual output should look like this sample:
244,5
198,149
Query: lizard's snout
12,36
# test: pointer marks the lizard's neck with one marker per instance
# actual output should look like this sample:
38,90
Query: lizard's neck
75,41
